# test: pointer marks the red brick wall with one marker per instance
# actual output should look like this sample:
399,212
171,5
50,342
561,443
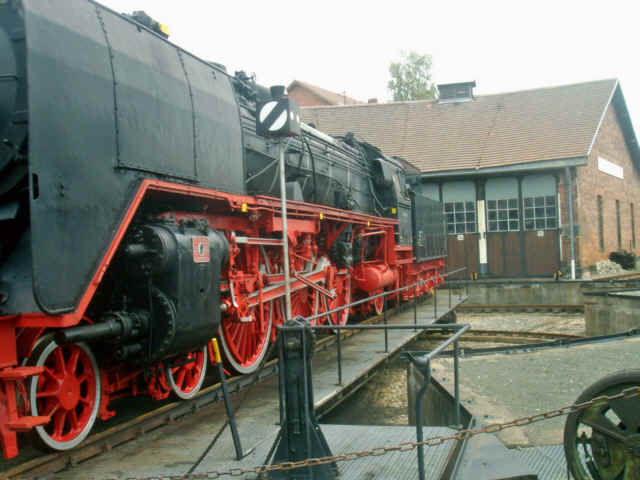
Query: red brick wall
305,98
591,182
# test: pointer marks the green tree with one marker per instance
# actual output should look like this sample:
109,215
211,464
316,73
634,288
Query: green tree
411,78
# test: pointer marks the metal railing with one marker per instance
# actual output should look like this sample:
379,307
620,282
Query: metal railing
422,362
339,328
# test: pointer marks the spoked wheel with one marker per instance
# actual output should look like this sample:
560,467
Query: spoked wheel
343,297
304,303
378,303
245,340
602,442
186,376
68,390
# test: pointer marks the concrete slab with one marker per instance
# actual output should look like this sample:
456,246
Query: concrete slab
502,387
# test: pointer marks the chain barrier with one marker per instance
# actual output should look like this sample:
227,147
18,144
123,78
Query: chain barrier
404,446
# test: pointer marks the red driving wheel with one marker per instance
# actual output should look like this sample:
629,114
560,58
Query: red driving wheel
186,376
378,303
342,288
68,391
245,339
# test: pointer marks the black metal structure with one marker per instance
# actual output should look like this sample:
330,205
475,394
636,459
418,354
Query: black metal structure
300,436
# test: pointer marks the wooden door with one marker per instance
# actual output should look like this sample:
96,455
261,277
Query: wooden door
462,251
504,254
542,252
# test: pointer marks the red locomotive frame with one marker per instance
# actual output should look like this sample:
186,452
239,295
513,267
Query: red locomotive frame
252,290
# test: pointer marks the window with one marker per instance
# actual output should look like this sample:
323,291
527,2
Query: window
540,213
618,224
600,225
633,227
461,217
459,201
503,215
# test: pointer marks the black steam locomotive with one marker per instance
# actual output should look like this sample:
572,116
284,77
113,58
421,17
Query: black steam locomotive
139,220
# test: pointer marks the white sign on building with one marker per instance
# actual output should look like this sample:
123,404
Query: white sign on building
610,168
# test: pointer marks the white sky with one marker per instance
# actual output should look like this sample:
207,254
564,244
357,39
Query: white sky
347,46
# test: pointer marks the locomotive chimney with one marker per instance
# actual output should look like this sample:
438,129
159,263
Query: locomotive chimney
277,91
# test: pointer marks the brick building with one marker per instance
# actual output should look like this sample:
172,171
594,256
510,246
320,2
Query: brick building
502,165
307,95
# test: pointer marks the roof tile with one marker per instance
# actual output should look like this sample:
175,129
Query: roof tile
492,130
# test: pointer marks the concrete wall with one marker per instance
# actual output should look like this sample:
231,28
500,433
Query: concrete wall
438,405
611,314
525,293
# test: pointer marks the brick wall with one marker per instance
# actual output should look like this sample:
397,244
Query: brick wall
591,182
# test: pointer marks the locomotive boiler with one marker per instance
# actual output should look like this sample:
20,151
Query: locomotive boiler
140,218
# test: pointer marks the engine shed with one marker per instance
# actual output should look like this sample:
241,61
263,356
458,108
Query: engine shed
532,181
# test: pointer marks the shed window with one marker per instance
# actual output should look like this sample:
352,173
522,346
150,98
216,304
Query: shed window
459,199
600,224
503,214
461,217
540,213
633,227
619,226
539,202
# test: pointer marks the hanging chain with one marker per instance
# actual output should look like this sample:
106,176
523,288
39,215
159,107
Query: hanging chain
404,446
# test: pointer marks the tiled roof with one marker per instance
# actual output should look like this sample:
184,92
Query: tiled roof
490,131
330,97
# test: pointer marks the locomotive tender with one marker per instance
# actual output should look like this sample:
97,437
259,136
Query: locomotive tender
139,219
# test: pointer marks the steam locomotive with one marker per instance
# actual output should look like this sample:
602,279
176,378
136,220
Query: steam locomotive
140,218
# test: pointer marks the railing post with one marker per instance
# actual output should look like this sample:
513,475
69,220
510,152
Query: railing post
456,377
386,331
449,296
339,343
435,304
415,305
425,369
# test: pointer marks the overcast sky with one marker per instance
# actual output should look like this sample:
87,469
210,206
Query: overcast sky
347,46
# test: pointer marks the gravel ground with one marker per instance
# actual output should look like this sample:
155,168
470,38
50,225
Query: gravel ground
501,387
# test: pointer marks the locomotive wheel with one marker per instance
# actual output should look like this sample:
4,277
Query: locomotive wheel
68,390
603,441
343,297
378,303
245,343
304,303
186,379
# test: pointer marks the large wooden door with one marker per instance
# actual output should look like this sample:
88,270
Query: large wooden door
541,251
462,251
504,254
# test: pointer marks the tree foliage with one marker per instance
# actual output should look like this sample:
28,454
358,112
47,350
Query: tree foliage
411,78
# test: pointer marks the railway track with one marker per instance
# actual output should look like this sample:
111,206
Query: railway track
506,336
528,308
170,413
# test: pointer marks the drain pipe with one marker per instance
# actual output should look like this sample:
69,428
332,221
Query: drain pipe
567,171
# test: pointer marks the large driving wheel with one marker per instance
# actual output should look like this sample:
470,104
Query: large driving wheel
602,442
185,375
68,390
343,297
304,303
245,340
378,303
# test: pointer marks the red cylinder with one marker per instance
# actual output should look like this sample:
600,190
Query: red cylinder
374,276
